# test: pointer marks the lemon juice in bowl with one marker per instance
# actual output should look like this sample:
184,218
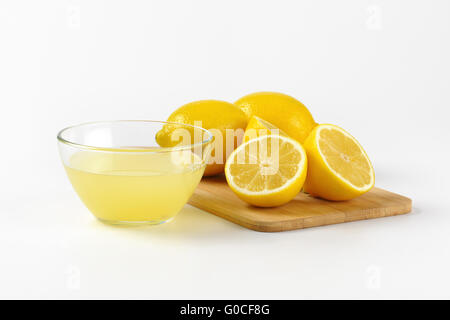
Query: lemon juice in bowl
131,185
153,189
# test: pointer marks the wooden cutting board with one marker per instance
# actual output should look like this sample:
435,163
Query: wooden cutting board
214,195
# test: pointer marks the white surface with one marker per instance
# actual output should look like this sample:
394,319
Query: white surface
380,69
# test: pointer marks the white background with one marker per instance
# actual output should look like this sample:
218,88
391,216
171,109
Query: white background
380,69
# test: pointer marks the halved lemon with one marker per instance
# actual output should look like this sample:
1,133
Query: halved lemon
338,166
259,127
267,171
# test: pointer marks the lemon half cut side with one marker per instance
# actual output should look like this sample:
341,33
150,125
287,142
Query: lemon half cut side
267,171
258,127
339,168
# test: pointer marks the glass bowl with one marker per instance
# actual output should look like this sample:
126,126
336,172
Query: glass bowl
123,176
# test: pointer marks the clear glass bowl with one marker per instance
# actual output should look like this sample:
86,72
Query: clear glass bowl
123,176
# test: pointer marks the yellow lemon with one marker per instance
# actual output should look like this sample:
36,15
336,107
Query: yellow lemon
281,110
338,166
259,127
223,119
267,171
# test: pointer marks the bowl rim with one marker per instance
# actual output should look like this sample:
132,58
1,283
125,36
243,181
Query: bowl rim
209,139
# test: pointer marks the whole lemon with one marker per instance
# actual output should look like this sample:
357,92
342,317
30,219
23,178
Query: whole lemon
222,118
283,111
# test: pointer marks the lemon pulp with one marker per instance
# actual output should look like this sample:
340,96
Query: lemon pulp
258,127
267,171
338,166
344,156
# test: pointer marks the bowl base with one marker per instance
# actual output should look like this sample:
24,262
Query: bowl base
134,223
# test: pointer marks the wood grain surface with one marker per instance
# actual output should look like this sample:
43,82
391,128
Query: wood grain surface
213,195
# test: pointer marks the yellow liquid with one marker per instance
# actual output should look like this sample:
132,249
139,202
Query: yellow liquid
135,187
